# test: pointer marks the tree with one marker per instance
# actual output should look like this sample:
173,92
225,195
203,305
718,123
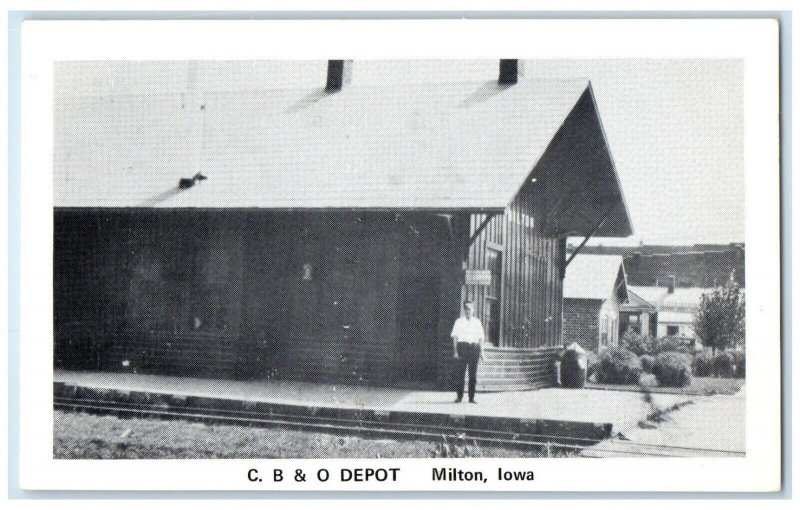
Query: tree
719,321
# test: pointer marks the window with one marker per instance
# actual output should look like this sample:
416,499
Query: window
629,322
672,330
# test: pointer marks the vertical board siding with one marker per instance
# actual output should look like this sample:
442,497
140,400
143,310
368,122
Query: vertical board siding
493,233
530,301
222,294
150,293
530,304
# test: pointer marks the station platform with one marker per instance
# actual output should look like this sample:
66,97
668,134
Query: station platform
555,411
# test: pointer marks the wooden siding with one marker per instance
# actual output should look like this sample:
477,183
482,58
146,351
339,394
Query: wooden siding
223,294
124,300
492,236
532,276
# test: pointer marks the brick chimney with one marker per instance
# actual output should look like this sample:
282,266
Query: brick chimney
510,71
340,73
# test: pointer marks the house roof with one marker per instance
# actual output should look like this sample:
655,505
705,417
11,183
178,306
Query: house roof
593,276
651,295
684,297
636,302
468,146
675,317
681,297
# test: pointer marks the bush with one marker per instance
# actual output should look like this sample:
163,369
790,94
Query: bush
673,369
671,344
739,360
636,343
592,361
702,366
647,363
723,364
618,365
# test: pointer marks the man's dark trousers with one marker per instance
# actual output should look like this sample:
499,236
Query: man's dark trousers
468,356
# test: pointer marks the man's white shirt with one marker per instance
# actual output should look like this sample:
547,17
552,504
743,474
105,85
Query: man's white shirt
468,330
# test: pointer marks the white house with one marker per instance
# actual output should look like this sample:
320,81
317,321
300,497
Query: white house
675,307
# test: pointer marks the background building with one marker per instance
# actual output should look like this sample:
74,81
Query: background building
595,289
638,314
675,308
698,265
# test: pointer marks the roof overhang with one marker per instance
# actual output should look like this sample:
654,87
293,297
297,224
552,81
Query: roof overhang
575,184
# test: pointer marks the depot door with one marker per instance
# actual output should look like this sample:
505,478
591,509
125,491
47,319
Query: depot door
417,324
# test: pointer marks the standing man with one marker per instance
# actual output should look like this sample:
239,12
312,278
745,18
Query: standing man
468,340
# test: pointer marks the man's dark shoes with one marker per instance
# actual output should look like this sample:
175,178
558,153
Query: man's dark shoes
472,401
458,401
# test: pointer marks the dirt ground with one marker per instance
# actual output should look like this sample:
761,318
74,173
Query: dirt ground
709,426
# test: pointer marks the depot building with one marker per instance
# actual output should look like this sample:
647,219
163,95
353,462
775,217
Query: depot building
328,233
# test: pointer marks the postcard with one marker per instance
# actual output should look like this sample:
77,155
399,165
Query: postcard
396,255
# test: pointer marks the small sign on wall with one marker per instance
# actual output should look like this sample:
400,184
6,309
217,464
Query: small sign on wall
478,277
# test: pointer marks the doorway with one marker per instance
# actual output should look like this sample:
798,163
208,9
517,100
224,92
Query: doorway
417,324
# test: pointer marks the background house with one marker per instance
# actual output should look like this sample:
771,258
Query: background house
675,307
594,290
638,315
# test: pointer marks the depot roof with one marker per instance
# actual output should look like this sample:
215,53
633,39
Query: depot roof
458,146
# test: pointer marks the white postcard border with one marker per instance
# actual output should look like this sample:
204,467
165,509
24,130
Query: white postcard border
754,41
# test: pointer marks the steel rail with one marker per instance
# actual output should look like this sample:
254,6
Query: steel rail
325,424
371,428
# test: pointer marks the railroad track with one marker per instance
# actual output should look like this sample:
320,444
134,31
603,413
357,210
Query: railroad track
385,429
360,427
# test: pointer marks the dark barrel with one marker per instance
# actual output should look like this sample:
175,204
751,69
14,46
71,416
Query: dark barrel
573,367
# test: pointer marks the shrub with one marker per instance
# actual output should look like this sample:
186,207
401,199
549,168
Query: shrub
637,343
723,364
592,361
671,344
673,369
618,365
739,360
647,363
702,366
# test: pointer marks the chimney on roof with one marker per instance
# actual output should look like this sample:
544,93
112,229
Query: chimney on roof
510,71
671,284
340,72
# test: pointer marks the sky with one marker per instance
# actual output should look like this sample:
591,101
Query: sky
675,126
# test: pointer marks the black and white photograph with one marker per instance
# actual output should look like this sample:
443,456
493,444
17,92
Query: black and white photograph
399,268
398,259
